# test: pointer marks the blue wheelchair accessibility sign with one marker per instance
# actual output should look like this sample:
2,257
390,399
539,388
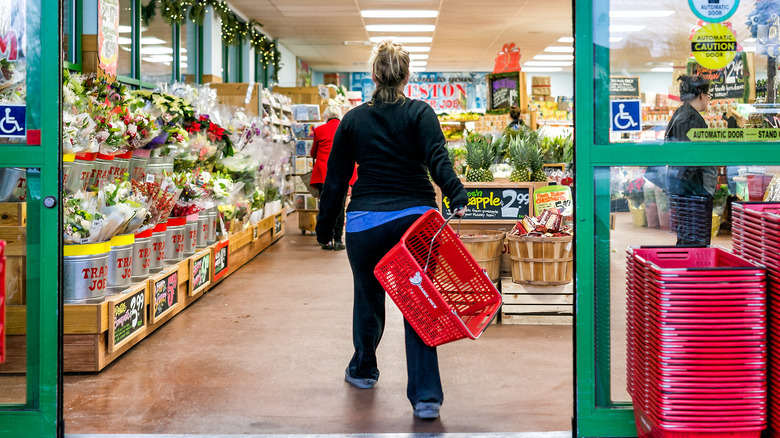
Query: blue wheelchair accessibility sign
626,115
12,121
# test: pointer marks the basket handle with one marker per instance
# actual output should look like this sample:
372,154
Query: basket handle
430,248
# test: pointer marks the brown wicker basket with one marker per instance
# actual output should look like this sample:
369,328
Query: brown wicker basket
486,248
541,261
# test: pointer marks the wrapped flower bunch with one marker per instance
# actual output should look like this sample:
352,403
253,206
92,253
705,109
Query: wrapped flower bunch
161,197
119,197
192,198
82,221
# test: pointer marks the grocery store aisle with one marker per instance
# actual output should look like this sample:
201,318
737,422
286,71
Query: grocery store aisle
265,352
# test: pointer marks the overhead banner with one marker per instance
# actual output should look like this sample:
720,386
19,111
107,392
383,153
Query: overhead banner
444,92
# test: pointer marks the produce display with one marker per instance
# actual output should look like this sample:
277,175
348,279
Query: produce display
548,224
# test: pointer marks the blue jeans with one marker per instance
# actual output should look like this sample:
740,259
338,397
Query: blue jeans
365,249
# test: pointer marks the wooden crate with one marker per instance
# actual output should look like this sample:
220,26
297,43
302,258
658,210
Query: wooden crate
13,214
303,95
235,94
533,304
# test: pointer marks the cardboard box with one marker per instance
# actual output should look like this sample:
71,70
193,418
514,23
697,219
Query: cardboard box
540,86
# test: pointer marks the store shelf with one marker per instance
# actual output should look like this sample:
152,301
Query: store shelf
86,326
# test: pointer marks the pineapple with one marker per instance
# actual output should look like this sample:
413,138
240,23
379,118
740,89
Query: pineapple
488,157
474,152
517,156
536,161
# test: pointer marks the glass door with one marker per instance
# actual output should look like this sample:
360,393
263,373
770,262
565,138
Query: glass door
30,329
709,65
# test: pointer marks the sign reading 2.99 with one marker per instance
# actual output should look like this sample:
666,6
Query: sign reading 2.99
495,203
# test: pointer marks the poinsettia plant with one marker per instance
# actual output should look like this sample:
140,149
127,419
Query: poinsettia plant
633,190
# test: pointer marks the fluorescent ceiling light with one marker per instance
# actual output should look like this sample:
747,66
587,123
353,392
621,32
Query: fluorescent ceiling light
156,50
400,27
554,57
559,49
640,14
662,69
749,49
417,69
615,39
412,49
125,29
568,40
418,56
626,28
398,13
152,40
548,64
402,40
124,40
541,69
418,63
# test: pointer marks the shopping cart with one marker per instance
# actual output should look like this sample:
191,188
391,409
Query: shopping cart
438,286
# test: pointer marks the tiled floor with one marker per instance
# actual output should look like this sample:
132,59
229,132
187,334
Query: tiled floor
265,352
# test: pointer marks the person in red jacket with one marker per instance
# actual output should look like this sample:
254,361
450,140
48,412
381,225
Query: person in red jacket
320,151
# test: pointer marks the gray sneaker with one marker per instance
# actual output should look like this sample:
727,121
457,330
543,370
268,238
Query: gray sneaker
427,410
361,383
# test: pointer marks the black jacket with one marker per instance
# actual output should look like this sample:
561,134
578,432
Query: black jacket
689,180
395,146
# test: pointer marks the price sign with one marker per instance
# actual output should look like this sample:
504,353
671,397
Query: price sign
127,317
494,202
624,86
255,232
220,260
200,272
503,91
165,294
277,224
729,82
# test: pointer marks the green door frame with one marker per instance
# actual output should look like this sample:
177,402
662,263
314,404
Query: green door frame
596,415
41,414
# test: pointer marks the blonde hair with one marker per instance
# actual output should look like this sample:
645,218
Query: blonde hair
390,64
331,112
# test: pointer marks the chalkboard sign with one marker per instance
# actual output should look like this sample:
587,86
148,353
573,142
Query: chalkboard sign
727,83
277,224
624,86
255,232
220,260
165,295
503,91
496,202
127,317
200,272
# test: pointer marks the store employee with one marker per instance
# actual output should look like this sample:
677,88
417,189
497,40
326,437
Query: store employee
692,181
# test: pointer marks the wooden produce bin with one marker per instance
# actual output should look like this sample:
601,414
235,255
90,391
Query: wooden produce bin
486,248
97,334
236,94
303,95
536,305
541,261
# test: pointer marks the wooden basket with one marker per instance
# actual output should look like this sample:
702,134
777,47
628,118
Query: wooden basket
486,248
542,261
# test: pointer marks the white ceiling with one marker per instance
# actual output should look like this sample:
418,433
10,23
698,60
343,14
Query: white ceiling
468,35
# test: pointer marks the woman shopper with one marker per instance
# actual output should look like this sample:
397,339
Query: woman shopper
320,151
695,183
396,141
516,123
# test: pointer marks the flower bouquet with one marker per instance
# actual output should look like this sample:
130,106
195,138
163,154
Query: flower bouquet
82,221
633,190
192,197
130,204
240,168
161,197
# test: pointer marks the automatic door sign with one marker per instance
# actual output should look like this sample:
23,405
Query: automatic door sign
626,115
12,121
714,11
714,46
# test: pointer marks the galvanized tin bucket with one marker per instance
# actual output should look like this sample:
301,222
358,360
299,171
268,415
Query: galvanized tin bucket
158,247
85,272
174,239
121,168
13,184
191,235
159,167
142,255
213,218
138,168
100,170
120,265
203,229
75,174
82,170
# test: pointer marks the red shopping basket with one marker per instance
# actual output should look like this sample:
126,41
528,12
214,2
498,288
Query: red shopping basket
438,286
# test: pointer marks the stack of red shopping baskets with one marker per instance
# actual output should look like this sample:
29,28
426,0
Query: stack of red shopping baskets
756,236
440,289
696,342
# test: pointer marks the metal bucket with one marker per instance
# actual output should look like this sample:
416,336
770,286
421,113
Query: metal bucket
158,247
174,239
203,229
82,171
138,168
100,170
190,235
13,184
159,167
75,174
121,167
213,218
142,255
85,272
120,265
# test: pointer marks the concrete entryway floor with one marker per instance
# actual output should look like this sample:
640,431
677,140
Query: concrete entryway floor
265,352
